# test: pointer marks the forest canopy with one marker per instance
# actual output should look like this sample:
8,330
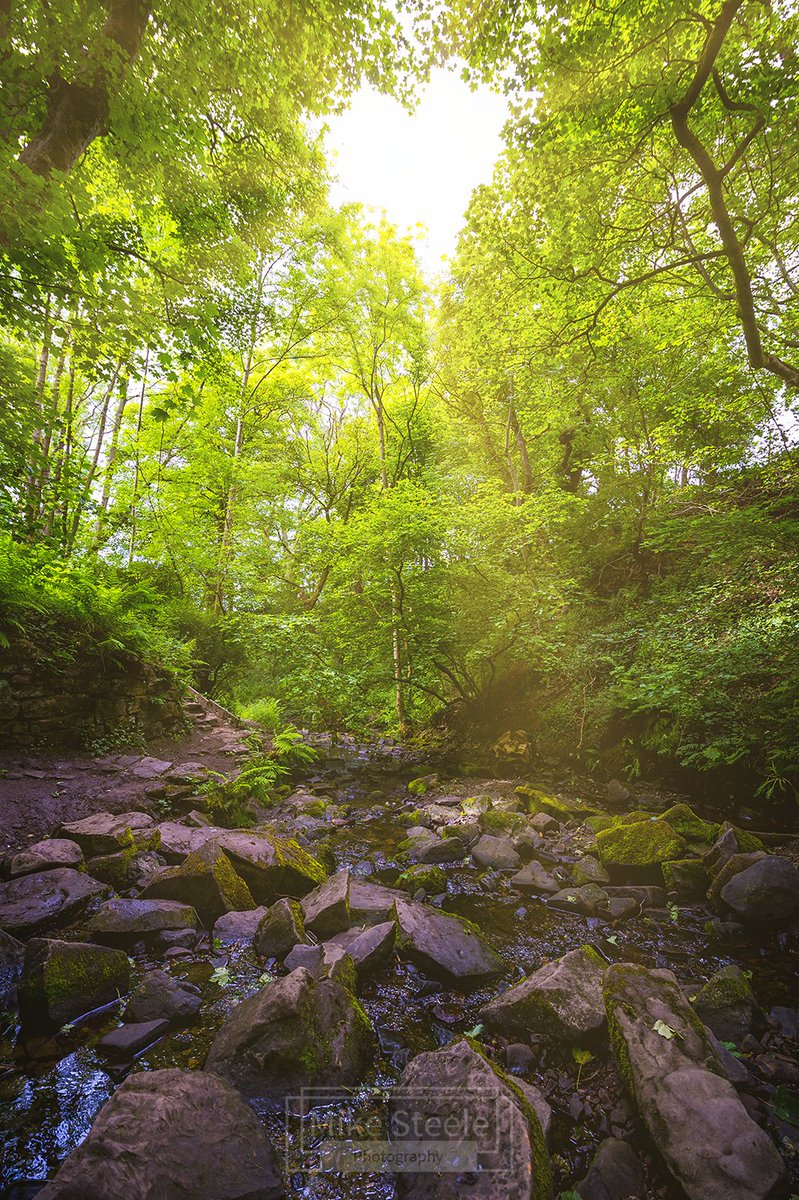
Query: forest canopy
241,431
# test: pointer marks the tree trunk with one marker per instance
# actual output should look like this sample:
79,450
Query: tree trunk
77,108
137,468
86,489
108,476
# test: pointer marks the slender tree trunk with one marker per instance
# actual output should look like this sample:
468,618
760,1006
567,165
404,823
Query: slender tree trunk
108,475
86,489
31,492
396,650
137,467
78,107
228,520
60,481
394,588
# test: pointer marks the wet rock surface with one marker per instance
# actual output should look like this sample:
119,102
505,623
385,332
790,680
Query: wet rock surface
703,1131
31,903
457,1090
296,1032
172,1133
412,956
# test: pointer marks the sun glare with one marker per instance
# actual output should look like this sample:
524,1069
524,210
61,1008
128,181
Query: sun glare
421,167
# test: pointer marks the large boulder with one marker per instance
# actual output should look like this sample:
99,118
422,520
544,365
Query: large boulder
727,1005
176,840
45,855
702,1131
238,927
454,1102
371,903
639,847
281,928
767,892
496,852
31,903
444,946
563,999
128,920
104,833
159,997
724,872
535,878
295,1032
206,880
62,980
327,908
271,867
424,846
171,1135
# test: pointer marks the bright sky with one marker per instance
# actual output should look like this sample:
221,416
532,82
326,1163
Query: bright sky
419,167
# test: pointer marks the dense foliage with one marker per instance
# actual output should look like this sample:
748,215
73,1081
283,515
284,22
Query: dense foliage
240,432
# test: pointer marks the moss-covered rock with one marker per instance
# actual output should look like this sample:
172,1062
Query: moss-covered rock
666,1056
296,1032
686,877
684,821
643,844
421,786
475,806
410,818
63,980
537,801
497,822
271,866
563,999
588,870
207,880
423,875
105,833
727,1005
632,818
281,927
599,821
458,1088
748,842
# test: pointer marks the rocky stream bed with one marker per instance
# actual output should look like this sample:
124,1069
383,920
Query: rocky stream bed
606,983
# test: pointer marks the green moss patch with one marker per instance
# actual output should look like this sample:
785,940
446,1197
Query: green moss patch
646,843
684,821
429,877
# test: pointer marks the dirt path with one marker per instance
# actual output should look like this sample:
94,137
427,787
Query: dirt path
39,792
